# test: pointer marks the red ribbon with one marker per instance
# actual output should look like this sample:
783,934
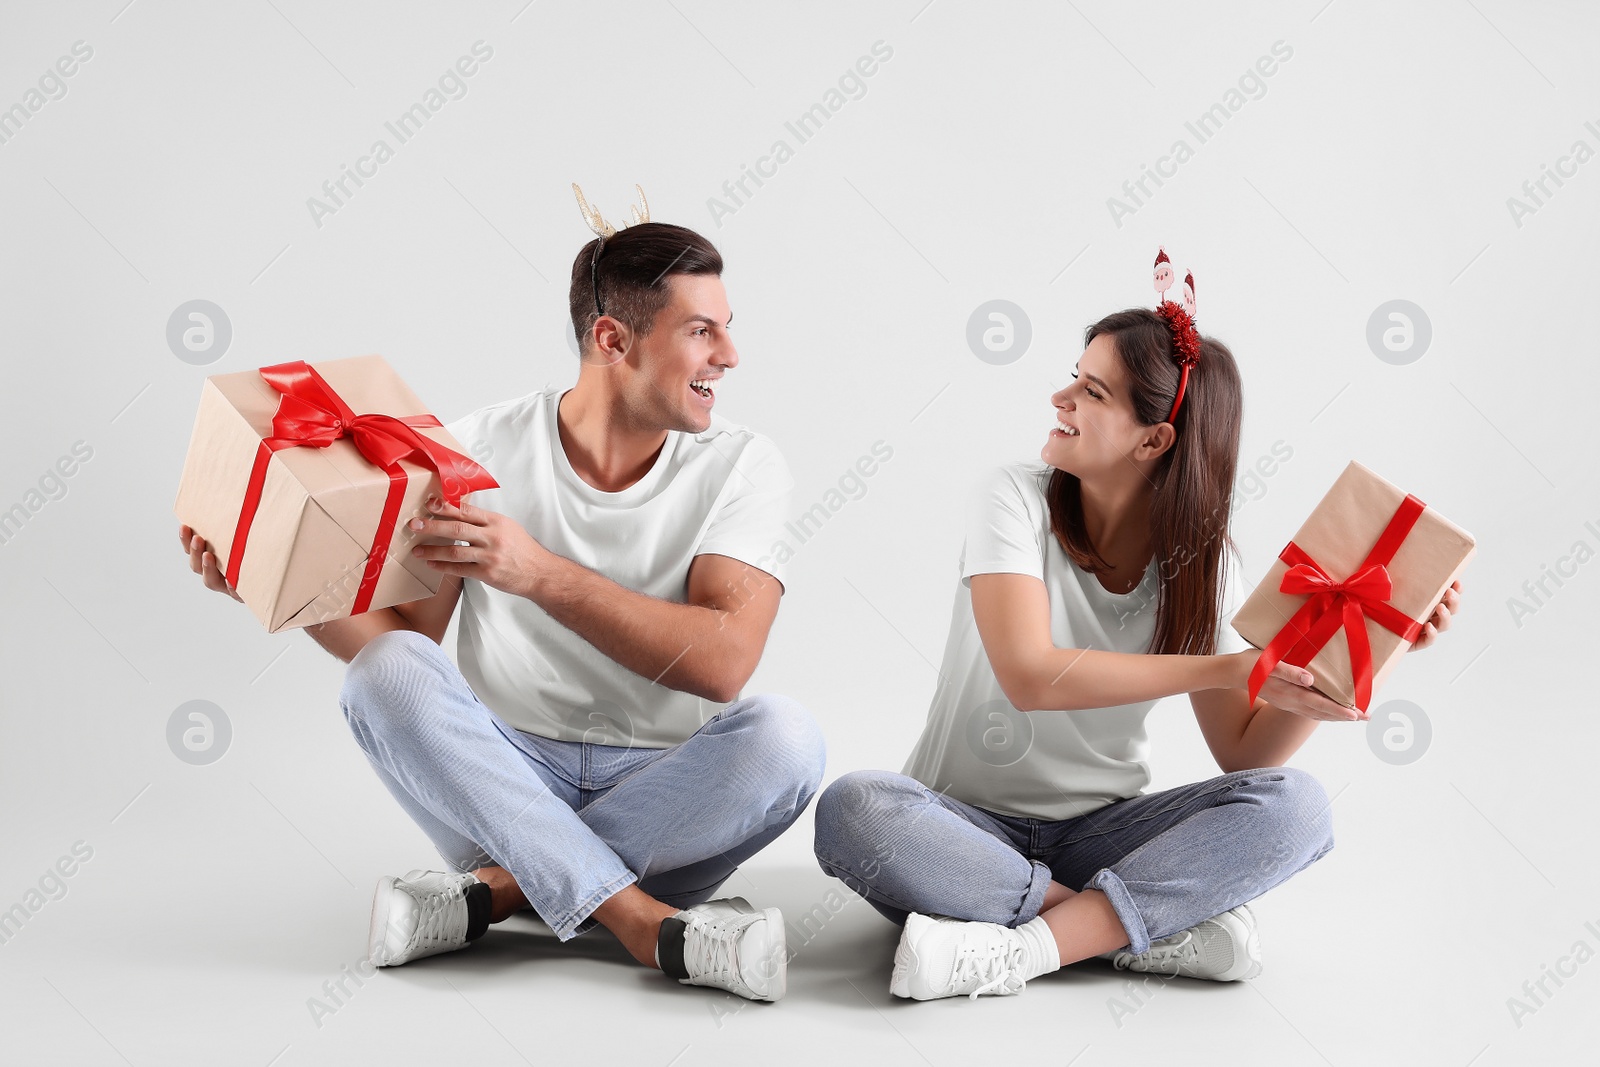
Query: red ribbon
1332,605
311,415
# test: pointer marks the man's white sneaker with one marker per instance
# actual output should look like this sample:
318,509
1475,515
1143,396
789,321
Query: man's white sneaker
943,957
726,906
422,914
1224,948
729,945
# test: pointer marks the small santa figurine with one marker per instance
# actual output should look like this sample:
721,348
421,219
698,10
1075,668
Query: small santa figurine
1188,293
1163,274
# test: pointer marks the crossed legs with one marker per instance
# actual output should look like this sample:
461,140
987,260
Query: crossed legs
1126,874
660,837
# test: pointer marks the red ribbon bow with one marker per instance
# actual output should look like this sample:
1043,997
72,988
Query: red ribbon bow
311,415
1333,605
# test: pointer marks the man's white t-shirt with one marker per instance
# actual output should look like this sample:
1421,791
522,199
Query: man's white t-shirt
979,748
723,491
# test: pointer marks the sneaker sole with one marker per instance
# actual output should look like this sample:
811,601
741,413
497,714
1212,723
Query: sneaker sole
777,957
905,961
382,895
1240,922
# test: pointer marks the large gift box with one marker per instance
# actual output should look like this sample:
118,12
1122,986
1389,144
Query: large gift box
1348,596
303,476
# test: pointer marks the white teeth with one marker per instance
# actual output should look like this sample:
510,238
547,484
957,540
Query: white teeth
1068,430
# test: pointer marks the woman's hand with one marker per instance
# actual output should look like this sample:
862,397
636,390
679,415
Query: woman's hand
1288,688
1439,620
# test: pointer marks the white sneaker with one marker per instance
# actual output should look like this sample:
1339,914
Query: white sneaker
727,906
729,945
422,914
1224,948
943,957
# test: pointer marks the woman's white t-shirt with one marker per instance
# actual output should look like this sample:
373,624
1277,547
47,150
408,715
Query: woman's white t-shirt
977,747
723,491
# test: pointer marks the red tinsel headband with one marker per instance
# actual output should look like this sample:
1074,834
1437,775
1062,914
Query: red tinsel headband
1180,321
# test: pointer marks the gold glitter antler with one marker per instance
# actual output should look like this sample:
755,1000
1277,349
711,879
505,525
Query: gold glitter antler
641,212
596,222
592,216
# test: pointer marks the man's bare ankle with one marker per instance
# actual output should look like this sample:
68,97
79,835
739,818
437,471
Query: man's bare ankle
634,918
505,896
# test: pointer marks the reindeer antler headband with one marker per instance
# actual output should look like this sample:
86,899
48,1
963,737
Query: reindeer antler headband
602,229
1180,322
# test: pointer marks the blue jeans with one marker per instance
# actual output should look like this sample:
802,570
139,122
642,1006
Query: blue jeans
1166,860
573,822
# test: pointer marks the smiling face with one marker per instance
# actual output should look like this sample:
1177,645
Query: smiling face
1097,436
677,368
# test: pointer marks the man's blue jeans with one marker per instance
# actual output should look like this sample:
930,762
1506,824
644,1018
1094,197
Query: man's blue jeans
575,822
1165,860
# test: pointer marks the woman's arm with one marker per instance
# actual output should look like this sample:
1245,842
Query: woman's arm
1242,737
1013,616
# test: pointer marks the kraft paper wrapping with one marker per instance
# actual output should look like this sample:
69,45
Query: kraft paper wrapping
307,546
1339,533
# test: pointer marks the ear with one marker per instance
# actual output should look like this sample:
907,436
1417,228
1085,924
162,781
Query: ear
1156,441
611,339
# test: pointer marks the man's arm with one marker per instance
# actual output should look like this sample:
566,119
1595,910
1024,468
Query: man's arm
708,646
429,616
342,638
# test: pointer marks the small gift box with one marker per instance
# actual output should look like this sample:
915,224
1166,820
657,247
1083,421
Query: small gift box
1347,597
301,497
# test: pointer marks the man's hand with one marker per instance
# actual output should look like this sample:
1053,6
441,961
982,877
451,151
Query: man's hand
342,637
1439,621
203,562
498,552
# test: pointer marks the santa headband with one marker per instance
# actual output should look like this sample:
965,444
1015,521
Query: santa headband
1180,322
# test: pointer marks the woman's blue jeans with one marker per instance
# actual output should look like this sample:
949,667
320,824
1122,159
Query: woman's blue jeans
575,822
1166,860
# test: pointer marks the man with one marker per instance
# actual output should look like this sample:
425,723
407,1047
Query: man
616,591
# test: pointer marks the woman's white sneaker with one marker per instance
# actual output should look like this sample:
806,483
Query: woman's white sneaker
943,957
422,914
1224,948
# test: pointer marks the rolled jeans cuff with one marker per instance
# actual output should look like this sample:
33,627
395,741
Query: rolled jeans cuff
1122,903
1033,899
580,919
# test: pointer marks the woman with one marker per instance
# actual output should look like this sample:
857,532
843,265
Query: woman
1017,840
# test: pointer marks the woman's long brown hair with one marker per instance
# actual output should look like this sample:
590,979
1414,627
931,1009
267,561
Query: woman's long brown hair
1193,484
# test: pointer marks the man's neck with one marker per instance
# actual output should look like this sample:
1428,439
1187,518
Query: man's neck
603,445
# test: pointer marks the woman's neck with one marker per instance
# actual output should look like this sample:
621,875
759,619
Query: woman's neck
1117,519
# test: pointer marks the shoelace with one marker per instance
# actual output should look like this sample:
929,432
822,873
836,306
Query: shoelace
438,921
711,954
1178,952
997,965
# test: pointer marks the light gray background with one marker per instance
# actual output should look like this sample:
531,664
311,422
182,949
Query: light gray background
976,166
